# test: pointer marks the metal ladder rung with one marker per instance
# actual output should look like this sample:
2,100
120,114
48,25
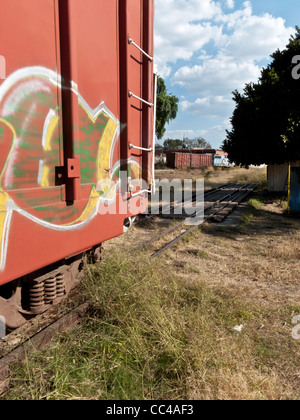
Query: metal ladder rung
131,41
140,99
140,193
131,146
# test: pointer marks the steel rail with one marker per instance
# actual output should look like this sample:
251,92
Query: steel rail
39,341
74,317
176,205
242,195
182,223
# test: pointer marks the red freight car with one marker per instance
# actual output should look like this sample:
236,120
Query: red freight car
76,138
181,160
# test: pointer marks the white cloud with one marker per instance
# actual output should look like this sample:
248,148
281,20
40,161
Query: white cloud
230,4
180,134
217,76
211,107
182,28
210,48
253,37
184,42
214,135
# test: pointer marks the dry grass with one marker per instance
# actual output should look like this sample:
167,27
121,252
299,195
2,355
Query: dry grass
216,177
256,263
159,333
164,329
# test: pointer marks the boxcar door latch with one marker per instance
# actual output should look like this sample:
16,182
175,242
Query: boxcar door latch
73,168
71,171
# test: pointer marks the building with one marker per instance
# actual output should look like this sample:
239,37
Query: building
278,176
160,156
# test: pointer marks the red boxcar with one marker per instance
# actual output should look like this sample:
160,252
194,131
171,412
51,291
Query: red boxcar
77,108
181,160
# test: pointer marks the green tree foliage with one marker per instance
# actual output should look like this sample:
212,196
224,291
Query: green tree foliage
167,108
171,144
266,120
200,143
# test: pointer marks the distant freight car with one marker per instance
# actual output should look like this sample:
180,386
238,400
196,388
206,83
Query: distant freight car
77,101
180,160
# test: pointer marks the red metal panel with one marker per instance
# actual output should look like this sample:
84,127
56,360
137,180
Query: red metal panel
27,33
170,159
67,22
181,160
135,71
124,89
30,127
61,152
148,88
136,23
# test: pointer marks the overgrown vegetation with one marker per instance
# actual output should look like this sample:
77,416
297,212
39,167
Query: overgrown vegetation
153,335
252,176
218,176
254,204
164,329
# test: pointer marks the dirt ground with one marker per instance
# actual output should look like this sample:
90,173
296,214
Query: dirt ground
253,260
240,274
258,259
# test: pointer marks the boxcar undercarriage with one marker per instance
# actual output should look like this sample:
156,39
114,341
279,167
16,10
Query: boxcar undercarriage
33,294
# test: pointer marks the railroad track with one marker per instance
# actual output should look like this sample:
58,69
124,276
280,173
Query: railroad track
39,341
219,203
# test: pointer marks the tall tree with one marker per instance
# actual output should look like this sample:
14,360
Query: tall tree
202,143
167,108
266,120
196,143
171,144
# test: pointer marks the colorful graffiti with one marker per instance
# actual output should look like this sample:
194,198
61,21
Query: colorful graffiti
31,148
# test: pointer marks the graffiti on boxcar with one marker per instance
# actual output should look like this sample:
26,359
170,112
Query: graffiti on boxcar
31,148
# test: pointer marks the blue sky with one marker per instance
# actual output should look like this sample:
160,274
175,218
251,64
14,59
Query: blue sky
205,49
